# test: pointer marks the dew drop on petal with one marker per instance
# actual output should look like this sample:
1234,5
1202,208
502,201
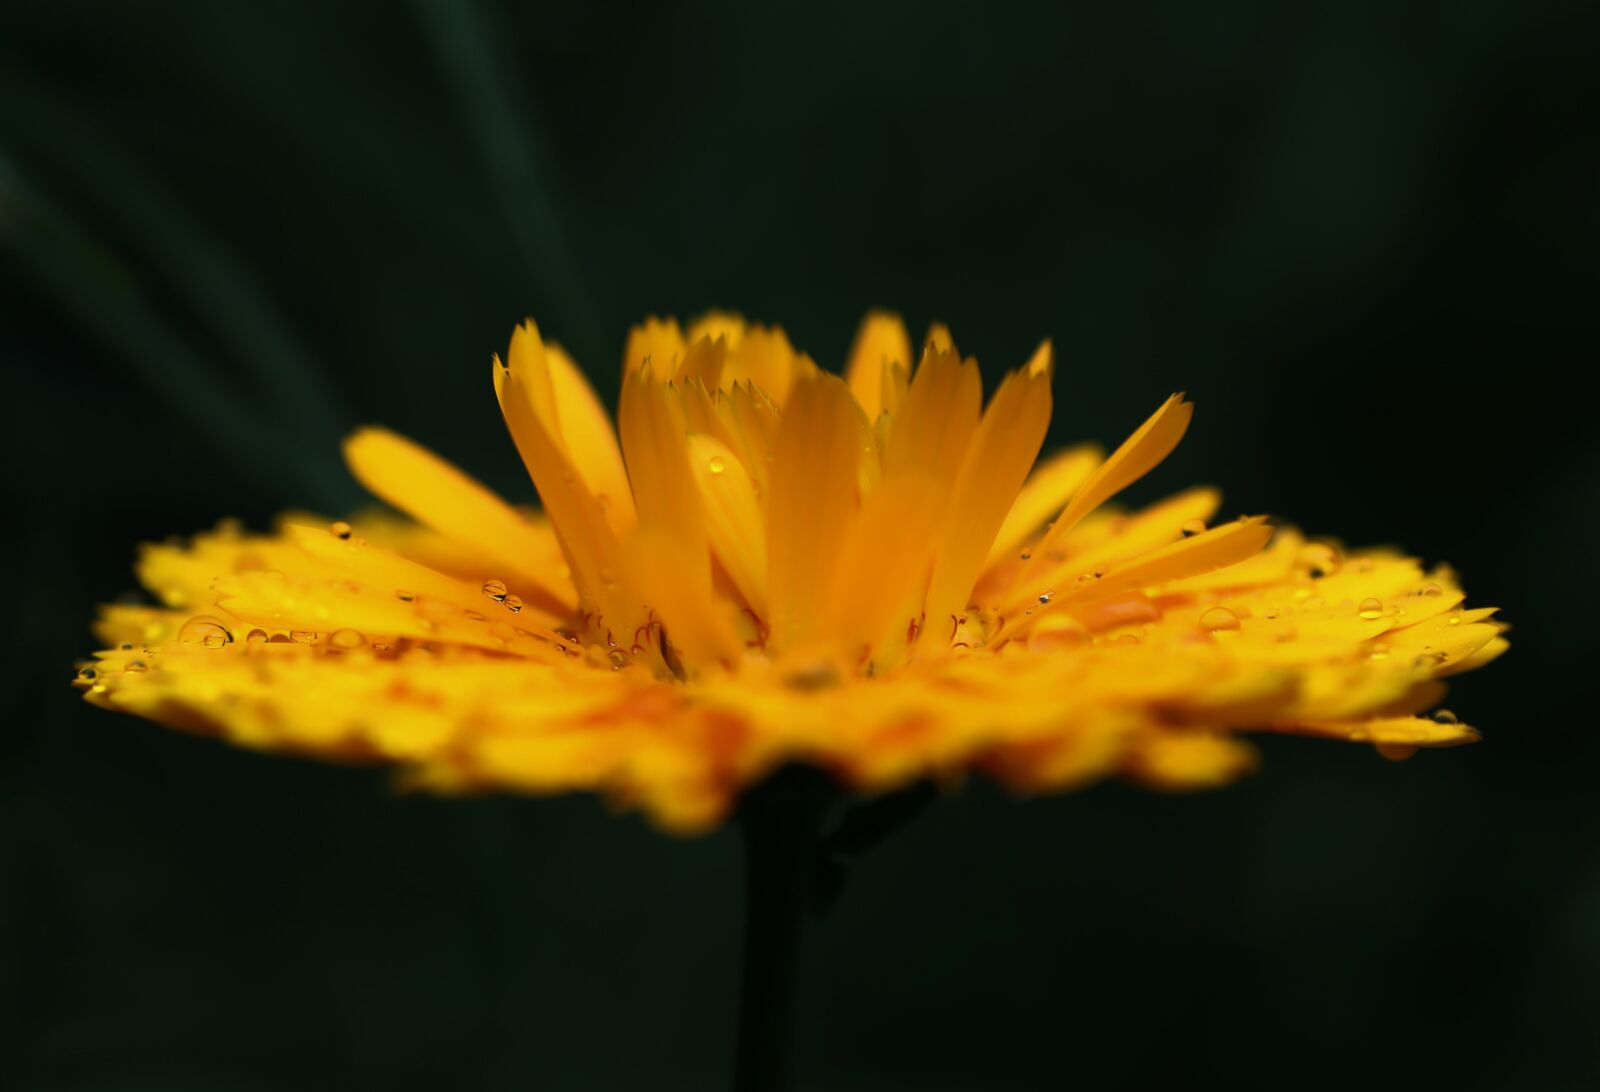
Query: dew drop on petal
1319,559
1370,609
1192,527
126,646
136,666
1455,619
304,636
716,464
513,603
205,632
405,596
347,640
340,529
256,637
1444,716
1219,620
88,674
1431,591
1044,597
495,589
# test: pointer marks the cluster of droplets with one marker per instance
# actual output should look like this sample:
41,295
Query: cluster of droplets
496,591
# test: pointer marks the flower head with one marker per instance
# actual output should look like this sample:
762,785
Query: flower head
763,563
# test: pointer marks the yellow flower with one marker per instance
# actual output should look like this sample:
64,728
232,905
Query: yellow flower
765,563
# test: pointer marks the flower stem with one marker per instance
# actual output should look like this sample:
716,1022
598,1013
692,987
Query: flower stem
779,822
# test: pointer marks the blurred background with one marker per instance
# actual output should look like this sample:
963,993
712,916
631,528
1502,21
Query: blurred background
1363,236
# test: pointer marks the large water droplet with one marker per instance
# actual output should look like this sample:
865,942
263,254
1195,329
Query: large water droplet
1444,716
716,464
513,603
205,632
1371,609
495,589
136,666
340,529
304,636
347,640
88,674
1219,620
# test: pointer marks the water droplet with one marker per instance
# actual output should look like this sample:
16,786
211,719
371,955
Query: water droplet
513,603
1127,639
380,646
88,674
1192,527
1444,716
1319,559
1026,555
619,659
126,646
205,632
1271,613
405,596
1428,659
1370,609
1455,619
340,529
1431,591
495,589
136,666
256,637
347,640
278,639
304,636
1219,620
716,464
1044,597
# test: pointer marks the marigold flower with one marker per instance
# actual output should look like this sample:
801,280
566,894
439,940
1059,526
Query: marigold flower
766,563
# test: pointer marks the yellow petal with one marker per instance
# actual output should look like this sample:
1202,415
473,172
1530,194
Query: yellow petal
1047,489
812,503
880,345
996,465
734,524
429,489
1152,442
590,440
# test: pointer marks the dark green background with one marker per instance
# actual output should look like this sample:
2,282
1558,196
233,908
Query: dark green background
1363,236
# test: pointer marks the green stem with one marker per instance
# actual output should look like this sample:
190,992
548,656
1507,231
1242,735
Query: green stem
779,822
